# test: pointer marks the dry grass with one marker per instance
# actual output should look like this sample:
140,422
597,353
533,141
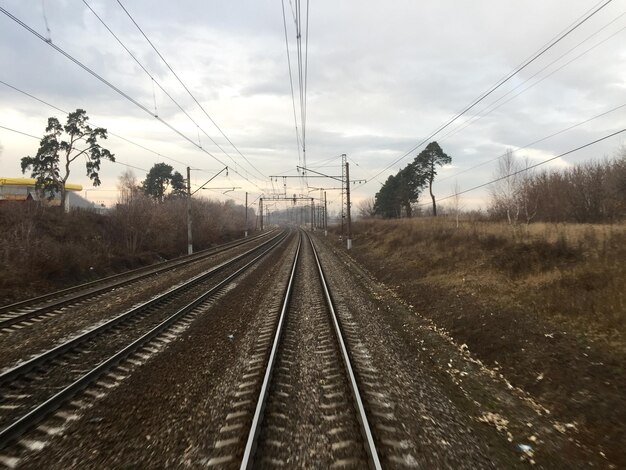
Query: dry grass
42,249
563,273
543,306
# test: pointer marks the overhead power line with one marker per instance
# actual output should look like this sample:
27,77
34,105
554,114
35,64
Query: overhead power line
293,98
497,85
108,132
188,91
117,90
155,82
19,132
39,138
306,66
302,51
536,141
531,166
493,106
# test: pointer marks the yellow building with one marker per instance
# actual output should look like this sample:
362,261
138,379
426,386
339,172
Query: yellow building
23,189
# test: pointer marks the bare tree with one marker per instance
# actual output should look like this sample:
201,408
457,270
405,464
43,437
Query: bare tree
505,191
528,199
366,208
128,187
456,201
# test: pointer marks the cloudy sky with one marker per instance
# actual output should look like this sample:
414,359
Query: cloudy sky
382,76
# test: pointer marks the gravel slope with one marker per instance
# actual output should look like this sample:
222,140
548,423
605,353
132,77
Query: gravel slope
20,342
430,403
452,411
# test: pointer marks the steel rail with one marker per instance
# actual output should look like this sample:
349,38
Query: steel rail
29,420
362,416
255,427
28,365
89,289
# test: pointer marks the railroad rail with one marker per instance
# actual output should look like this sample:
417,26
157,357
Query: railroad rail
51,304
308,411
36,387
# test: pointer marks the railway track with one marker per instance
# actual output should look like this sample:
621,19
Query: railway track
36,387
298,404
37,309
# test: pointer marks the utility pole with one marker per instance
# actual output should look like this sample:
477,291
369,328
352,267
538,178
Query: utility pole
312,214
343,191
189,235
325,216
349,245
261,212
245,232
189,194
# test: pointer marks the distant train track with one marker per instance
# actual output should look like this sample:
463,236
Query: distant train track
33,389
305,386
38,308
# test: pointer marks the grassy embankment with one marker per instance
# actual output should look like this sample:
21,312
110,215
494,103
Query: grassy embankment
545,304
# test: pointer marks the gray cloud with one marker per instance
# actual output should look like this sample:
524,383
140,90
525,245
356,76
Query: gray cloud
381,77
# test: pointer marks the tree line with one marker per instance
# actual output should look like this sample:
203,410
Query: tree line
150,216
590,192
145,221
61,145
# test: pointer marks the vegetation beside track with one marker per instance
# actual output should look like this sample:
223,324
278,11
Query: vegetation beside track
544,304
43,249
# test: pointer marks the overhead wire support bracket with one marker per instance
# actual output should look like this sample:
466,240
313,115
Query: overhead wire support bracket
294,176
226,189
338,178
211,179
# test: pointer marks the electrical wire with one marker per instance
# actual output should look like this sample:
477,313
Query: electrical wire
132,166
321,163
39,138
19,132
535,142
529,167
117,90
293,97
302,72
155,81
579,18
303,181
302,66
188,91
306,69
108,132
491,107
497,85
478,117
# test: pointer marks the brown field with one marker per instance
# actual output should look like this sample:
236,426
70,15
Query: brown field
544,304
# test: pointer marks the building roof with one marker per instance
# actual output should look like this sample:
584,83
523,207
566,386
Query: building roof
32,181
